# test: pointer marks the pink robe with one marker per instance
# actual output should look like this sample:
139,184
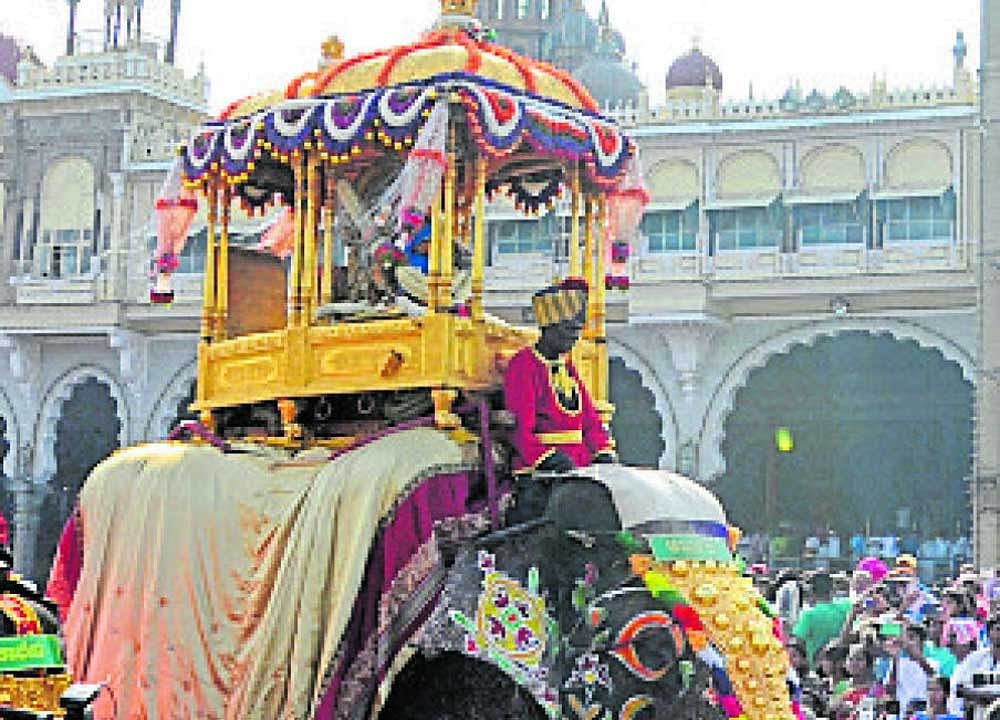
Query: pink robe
547,422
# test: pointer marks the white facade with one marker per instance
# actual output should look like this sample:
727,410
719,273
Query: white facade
699,318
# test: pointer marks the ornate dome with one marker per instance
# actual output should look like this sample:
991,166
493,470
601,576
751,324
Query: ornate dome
10,53
446,50
609,80
692,70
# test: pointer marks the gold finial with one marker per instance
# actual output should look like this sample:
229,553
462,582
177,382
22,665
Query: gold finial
459,7
332,48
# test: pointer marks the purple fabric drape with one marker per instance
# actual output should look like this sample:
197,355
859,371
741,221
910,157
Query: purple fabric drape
410,528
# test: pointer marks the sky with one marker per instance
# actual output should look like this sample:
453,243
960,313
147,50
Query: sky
248,46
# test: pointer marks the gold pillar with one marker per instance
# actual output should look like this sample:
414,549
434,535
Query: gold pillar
600,331
448,236
295,282
434,257
601,389
209,296
588,265
574,231
309,269
329,208
222,273
479,242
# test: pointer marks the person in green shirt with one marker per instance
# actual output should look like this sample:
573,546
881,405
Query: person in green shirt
935,650
824,621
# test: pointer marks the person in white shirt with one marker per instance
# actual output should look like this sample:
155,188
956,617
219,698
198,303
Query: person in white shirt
981,661
910,668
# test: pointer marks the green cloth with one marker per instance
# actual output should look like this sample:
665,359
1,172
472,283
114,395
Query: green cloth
943,657
819,625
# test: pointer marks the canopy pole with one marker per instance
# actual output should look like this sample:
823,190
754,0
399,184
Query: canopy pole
295,282
600,289
329,209
209,302
448,236
600,318
222,279
309,274
588,265
574,230
208,310
434,255
479,242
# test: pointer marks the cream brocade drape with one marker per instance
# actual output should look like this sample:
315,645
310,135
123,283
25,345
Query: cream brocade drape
219,585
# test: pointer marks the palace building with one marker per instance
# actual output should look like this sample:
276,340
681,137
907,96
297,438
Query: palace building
808,262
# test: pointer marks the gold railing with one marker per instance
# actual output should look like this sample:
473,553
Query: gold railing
441,350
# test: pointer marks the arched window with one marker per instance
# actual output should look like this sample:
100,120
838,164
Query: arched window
65,242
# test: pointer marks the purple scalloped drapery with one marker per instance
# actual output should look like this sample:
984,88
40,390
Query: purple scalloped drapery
502,119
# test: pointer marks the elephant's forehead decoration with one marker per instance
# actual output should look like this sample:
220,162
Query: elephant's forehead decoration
511,619
511,628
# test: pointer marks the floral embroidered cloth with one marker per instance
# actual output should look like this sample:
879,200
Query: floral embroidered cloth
223,585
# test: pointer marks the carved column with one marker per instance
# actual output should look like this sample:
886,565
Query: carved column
133,366
688,342
24,367
28,497
117,267
986,477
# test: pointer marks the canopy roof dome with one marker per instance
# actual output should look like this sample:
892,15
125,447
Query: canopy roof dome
455,46
694,69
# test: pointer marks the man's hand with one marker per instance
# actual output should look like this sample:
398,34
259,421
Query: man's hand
557,462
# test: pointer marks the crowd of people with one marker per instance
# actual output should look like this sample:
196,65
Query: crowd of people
879,644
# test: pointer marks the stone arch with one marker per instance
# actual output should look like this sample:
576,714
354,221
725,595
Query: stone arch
669,431
68,195
674,179
12,433
711,463
919,163
44,467
158,425
748,173
833,167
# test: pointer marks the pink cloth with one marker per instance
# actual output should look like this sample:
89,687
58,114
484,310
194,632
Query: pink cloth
66,568
875,567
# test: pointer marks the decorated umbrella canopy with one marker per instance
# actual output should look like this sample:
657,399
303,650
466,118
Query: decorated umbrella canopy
429,128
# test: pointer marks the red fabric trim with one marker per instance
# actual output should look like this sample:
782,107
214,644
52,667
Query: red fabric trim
435,156
231,108
475,59
640,194
330,74
168,203
432,40
292,91
523,65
